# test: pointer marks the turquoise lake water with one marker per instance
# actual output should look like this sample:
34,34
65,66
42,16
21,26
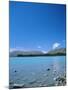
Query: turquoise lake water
36,71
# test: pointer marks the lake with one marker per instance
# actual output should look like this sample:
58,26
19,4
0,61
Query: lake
36,71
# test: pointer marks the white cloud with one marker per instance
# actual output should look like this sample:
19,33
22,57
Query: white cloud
56,45
39,47
44,51
13,49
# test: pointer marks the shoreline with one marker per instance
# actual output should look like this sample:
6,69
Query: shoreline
36,55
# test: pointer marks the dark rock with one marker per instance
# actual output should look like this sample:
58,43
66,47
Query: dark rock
15,71
48,69
61,80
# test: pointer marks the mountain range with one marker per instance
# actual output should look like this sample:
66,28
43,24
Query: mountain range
55,52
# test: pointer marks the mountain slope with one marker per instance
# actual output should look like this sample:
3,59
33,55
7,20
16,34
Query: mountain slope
61,51
55,52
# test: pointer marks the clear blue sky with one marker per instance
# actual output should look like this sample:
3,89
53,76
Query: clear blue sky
36,26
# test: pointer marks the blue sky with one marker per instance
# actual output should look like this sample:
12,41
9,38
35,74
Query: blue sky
36,26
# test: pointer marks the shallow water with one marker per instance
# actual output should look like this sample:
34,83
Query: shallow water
36,71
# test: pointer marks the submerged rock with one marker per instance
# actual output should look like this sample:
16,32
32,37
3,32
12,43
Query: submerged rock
61,80
32,82
15,71
15,86
54,71
48,69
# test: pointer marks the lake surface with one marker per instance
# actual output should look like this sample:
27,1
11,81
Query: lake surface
36,71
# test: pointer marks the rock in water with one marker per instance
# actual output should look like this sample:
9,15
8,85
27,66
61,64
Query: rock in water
48,69
15,71
15,86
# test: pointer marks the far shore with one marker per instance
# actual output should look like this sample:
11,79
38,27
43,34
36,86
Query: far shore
39,55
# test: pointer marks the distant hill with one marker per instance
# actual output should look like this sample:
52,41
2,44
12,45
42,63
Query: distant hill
25,53
61,51
55,52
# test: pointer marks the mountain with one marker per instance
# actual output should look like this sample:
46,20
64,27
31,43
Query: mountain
60,51
25,53
55,52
